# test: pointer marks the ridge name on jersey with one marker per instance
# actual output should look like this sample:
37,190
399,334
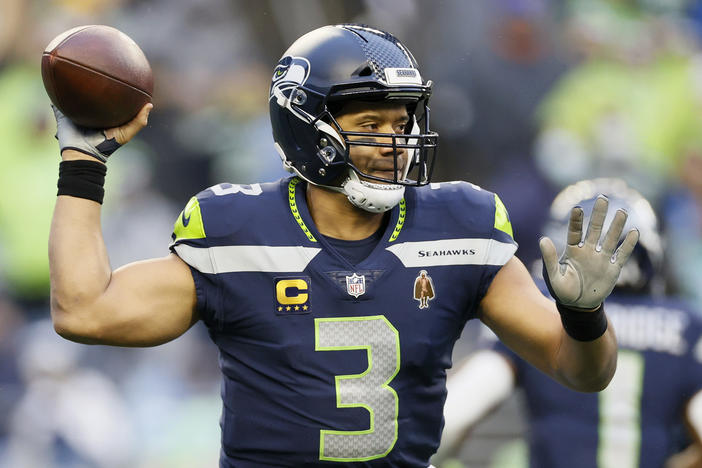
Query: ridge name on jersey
328,363
644,327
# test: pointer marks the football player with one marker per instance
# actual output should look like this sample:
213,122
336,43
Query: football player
307,284
655,392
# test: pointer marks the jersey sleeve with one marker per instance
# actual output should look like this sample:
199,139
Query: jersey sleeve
190,243
501,246
480,217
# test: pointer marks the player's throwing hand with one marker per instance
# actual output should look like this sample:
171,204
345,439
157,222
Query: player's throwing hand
99,144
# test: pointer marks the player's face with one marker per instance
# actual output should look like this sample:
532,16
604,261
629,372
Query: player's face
376,117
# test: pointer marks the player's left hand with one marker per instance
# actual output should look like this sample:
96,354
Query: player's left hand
586,274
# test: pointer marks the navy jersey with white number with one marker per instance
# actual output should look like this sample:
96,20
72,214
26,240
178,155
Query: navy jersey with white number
635,421
326,363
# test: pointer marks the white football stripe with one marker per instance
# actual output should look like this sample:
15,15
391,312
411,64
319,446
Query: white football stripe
453,252
237,258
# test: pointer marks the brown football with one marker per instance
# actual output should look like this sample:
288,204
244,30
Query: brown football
97,76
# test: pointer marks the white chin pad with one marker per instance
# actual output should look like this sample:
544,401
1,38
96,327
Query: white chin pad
375,198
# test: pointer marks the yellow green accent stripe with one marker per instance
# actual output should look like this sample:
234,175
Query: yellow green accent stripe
501,218
189,224
400,221
293,207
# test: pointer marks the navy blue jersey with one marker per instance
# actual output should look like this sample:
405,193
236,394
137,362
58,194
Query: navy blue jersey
634,422
324,362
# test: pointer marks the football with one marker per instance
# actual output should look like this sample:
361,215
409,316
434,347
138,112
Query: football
97,76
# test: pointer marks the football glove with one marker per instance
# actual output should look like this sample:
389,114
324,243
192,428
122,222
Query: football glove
89,141
587,271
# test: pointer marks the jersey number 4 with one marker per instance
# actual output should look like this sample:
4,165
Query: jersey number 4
369,390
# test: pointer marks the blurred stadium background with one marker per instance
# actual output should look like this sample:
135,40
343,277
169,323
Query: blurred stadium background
530,95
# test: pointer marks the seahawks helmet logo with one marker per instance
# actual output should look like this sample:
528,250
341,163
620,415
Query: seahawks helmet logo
290,73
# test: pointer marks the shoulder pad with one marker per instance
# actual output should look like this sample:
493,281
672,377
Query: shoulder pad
221,209
465,196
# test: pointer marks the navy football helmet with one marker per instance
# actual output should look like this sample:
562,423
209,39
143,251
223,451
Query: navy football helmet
643,272
320,71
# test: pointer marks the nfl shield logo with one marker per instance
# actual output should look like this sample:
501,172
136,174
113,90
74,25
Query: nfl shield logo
355,285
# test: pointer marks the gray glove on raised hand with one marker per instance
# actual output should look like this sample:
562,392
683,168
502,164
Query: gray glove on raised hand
586,274
90,141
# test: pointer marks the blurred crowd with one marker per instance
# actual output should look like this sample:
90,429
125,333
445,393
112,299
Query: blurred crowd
529,96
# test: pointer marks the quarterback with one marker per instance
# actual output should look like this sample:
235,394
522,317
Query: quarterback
335,296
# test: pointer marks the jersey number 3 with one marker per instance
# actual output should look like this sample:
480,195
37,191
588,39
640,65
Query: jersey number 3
369,390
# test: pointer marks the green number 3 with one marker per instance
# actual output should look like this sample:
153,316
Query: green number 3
369,390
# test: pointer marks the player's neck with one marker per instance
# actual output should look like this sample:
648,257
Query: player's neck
336,217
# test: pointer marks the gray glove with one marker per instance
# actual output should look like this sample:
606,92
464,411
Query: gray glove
586,274
89,141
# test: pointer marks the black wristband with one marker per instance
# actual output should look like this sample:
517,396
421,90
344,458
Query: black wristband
82,179
583,325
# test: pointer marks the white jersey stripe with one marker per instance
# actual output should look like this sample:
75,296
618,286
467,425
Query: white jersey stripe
238,258
453,252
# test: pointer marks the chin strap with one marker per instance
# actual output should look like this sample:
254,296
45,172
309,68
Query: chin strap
375,198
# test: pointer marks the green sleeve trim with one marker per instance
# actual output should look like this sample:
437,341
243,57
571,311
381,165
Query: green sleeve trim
189,224
501,218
